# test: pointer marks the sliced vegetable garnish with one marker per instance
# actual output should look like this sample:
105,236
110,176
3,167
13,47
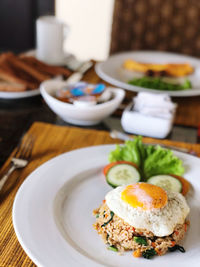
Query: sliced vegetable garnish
149,253
167,182
122,174
113,248
140,240
111,217
110,165
151,160
184,182
107,167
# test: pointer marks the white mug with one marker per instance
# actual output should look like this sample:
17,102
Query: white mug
50,35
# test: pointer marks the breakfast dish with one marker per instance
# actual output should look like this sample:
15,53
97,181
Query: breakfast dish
167,69
53,238
140,217
22,74
158,76
139,214
152,71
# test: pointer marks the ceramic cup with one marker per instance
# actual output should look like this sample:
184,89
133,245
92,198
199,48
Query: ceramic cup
50,36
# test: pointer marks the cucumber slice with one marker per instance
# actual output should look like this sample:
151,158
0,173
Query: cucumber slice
122,174
167,182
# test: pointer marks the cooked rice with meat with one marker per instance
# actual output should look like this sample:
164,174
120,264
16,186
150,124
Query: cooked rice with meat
118,234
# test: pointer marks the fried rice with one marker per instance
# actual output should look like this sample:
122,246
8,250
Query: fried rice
118,234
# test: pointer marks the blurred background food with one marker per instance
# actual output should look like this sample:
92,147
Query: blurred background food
20,72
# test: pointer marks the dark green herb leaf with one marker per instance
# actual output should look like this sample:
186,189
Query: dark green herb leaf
113,248
181,249
172,249
111,217
97,215
159,84
140,240
176,247
149,253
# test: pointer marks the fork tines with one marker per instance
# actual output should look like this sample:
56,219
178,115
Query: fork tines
25,147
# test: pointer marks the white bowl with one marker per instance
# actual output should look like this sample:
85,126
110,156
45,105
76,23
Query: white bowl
80,115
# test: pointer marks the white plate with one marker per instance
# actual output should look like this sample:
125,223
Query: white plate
52,214
112,71
17,95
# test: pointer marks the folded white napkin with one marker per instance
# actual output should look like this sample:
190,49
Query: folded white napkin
156,105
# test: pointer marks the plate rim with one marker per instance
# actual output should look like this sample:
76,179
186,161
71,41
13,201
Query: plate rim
19,95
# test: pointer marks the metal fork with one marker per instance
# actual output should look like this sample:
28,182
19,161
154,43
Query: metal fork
20,159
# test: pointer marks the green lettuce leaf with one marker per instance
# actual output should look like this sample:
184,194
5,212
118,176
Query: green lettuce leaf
132,151
151,160
161,161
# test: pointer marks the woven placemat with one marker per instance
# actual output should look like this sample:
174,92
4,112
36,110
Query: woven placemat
188,111
50,141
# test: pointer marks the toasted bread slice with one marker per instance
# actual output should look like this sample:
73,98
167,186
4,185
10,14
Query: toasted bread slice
17,62
12,87
9,75
45,68
13,74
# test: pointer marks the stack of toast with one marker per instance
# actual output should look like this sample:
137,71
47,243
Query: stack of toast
20,73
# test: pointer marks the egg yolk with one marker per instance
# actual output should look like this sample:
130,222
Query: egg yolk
145,196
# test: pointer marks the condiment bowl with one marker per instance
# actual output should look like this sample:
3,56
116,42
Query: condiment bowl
80,115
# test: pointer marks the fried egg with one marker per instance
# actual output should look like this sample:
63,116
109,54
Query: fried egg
149,207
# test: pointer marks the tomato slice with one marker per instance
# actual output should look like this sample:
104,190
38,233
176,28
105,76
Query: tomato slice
110,165
185,184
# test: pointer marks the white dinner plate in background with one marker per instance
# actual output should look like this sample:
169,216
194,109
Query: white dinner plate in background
112,71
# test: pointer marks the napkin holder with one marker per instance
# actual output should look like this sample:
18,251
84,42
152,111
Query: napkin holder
140,124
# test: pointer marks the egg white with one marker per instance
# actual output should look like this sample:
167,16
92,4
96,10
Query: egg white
161,222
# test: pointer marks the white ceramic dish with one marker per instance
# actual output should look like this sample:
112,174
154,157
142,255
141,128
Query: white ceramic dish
80,115
111,70
17,95
52,214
